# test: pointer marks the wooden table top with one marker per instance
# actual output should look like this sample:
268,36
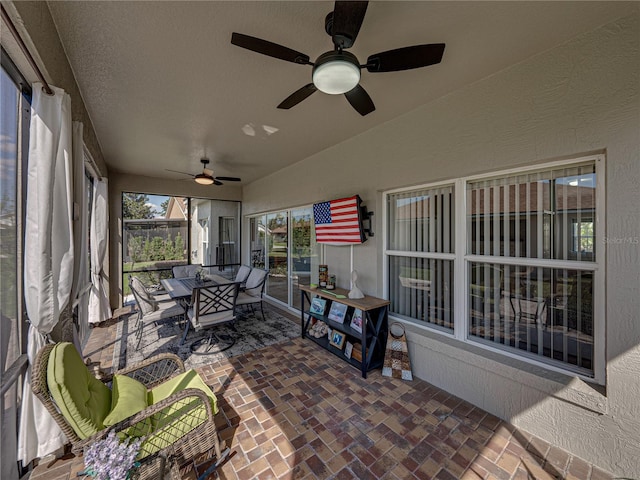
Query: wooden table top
366,303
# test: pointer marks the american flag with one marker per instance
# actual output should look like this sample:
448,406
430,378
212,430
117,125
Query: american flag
338,221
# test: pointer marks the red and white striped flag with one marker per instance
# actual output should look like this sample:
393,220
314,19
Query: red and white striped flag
338,221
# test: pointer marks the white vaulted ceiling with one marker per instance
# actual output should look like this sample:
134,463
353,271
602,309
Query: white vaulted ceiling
164,86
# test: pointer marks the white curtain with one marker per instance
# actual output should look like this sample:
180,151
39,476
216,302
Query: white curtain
48,252
80,290
99,309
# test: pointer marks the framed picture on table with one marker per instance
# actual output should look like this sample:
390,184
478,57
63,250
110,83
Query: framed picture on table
318,306
338,312
337,339
356,320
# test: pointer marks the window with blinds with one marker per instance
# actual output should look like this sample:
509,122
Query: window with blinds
536,215
541,309
420,255
523,276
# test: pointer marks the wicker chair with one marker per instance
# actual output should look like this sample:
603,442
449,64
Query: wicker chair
177,429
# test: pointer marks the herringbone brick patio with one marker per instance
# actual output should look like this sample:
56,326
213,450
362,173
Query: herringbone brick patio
295,411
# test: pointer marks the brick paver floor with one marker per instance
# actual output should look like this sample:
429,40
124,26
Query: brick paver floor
295,411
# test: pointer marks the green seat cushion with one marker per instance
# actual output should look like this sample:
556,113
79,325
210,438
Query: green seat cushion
176,420
83,400
188,379
128,397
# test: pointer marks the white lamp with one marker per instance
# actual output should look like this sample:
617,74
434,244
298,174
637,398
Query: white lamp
336,72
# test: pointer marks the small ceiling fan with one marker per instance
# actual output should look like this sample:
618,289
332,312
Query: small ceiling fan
338,71
206,177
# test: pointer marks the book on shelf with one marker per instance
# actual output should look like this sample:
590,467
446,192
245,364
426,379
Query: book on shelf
338,312
318,306
356,320
348,350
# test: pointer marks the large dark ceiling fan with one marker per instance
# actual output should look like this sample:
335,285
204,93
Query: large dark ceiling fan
206,177
338,71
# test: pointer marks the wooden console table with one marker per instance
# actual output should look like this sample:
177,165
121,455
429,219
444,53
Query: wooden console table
373,338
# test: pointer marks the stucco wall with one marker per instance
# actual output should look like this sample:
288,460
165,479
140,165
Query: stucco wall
119,183
580,97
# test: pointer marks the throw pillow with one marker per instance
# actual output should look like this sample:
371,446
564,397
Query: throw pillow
128,397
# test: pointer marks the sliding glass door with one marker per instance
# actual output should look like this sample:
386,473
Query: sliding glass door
304,252
277,255
284,243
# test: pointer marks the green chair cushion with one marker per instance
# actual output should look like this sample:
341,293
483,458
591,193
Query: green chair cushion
178,419
83,400
188,379
128,397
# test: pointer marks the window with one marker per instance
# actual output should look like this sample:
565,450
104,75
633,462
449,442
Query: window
227,241
420,254
527,283
14,132
257,237
160,232
214,233
582,236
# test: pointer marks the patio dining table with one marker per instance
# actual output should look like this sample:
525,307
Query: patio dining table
181,288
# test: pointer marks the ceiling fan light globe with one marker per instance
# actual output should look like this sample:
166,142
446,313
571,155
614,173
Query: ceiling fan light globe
203,179
336,72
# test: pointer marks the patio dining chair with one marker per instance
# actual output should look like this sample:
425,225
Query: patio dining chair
242,275
186,271
158,293
211,306
157,399
253,292
151,310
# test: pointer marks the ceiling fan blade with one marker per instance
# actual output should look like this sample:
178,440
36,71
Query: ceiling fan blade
176,171
360,100
269,48
297,96
347,20
216,182
406,58
229,179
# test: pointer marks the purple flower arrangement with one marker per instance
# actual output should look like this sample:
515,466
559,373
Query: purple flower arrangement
111,459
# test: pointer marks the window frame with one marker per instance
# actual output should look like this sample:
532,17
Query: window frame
462,260
24,122
13,375
442,256
577,237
